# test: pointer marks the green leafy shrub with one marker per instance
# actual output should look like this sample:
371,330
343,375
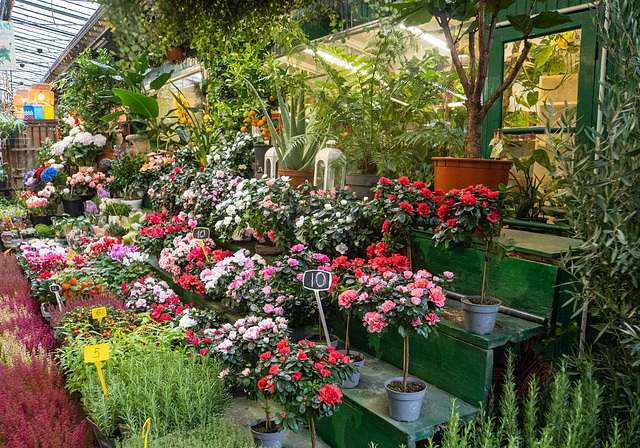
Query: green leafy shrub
111,208
220,433
178,392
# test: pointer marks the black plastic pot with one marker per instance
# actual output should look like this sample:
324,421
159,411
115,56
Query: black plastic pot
73,207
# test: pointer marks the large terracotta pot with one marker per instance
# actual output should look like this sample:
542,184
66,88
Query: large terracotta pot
451,172
175,54
297,177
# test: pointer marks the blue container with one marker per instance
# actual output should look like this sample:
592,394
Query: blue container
38,113
28,112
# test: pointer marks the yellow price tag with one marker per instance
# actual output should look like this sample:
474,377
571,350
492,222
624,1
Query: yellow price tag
95,353
71,254
145,431
99,313
7,251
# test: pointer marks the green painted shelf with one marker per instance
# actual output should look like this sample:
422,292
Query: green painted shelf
364,415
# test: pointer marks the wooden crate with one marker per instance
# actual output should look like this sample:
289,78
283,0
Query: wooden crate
20,152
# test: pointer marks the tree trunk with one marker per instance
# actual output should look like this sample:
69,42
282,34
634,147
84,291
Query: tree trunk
473,139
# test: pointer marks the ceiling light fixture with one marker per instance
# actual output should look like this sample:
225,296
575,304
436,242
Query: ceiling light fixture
424,36
331,59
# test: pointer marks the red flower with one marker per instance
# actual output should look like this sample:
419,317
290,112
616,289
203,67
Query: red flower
265,355
492,194
330,394
450,201
451,222
319,366
494,216
384,181
273,370
377,195
406,207
302,356
423,209
442,211
404,181
325,373
385,226
262,383
425,192
296,376
468,199
282,344
340,261
284,350
392,197
381,249
204,351
419,185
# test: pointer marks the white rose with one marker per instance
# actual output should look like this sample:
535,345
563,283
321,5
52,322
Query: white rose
327,206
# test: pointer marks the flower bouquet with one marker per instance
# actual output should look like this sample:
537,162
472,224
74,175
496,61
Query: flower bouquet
303,379
465,214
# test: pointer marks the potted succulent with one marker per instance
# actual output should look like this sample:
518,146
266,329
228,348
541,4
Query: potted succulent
409,301
300,138
302,378
465,214
480,18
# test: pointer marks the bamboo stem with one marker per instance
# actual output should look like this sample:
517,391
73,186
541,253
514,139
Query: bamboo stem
405,373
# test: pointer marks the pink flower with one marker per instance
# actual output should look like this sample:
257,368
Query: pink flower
448,274
204,351
374,322
417,292
268,308
437,296
292,262
387,306
432,318
416,322
345,299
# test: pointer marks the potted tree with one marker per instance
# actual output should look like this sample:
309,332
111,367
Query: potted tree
302,378
465,214
478,18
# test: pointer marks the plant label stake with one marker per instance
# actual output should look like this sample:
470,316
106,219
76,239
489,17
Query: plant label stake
7,251
71,254
145,431
95,354
318,281
201,233
55,289
99,313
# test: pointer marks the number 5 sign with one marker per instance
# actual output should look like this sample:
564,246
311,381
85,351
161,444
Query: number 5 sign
95,354
318,281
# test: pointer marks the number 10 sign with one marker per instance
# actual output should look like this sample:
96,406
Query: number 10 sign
318,281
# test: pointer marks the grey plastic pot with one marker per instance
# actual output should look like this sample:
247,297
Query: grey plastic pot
267,440
480,319
403,406
352,382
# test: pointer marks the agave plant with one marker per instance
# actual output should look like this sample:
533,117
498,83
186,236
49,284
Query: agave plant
301,135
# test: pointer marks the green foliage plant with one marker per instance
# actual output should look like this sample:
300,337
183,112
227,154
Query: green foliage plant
602,199
219,433
126,171
11,126
475,21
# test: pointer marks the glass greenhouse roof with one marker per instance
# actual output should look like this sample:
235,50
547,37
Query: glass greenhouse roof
43,31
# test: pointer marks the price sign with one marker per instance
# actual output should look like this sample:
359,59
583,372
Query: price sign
317,280
99,313
95,354
71,254
201,233
145,431
55,288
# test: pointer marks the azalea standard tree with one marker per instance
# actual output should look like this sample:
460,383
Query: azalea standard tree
475,21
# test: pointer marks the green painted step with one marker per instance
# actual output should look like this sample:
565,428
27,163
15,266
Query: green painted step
244,411
508,329
364,415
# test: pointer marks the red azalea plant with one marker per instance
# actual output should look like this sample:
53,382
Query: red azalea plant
302,377
402,204
471,212
160,230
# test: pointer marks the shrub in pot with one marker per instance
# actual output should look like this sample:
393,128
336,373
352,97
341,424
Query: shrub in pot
465,214
302,378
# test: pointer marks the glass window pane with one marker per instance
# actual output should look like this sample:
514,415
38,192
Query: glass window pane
549,76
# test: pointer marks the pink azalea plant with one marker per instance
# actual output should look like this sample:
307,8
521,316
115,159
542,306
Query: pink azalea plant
387,293
147,293
86,181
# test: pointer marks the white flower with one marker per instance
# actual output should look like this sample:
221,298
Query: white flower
300,222
343,202
74,131
246,372
342,248
349,219
327,206
99,140
237,219
186,321
227,220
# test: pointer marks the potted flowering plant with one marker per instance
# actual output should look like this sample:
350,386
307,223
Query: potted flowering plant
409,301
465,214
217,279
400,205
302,377
159,230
